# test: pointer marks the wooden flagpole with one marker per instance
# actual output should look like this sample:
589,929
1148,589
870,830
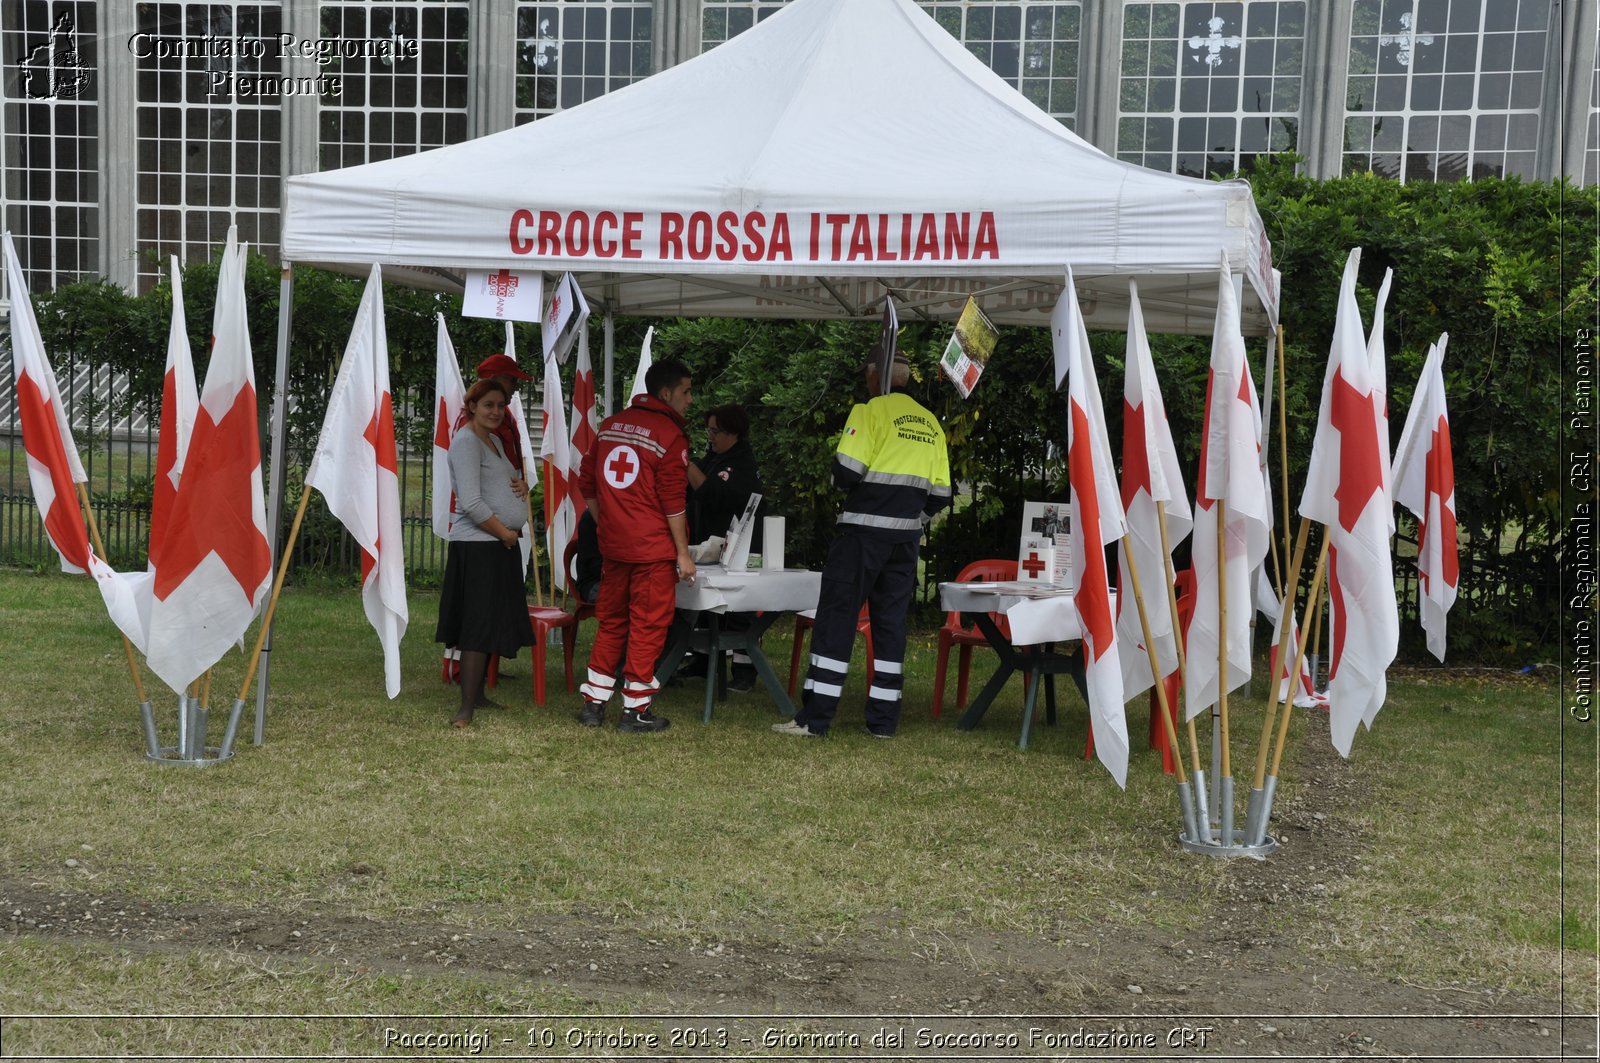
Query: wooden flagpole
1177,627
277,589
1191,824
1285,612
1155,664
100,549
1300,651
205,691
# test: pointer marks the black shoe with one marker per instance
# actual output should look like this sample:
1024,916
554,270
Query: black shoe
633,720
592,714
743,678
692,667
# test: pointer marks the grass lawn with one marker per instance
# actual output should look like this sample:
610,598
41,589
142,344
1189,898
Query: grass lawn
1470,856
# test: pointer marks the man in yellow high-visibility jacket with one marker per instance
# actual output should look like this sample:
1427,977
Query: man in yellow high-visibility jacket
893,462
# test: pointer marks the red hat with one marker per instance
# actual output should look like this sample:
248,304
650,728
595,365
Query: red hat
500,365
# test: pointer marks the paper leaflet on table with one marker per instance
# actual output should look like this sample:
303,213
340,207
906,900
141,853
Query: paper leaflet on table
969,349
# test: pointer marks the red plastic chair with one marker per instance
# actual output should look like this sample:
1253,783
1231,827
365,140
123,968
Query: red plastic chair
546,618
805,621
954,633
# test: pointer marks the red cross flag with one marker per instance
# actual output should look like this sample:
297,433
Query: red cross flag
1346,490
1425,483
1150,474
54,470
449,396
585,420
560,516
1269,605
180,403
1096,524
356,470
214,566
1230,474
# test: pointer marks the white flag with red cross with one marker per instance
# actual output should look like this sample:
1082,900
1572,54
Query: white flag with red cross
180,403
585,420
449,396
54,469
1150,474
1280,653
1425,483
215,566
1096,523
1346,491
1230,477
356,469
561,519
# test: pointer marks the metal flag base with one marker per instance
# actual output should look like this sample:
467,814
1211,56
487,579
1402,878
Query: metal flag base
1212,846
1252,840
191,750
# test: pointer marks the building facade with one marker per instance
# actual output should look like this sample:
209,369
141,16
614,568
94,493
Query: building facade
229,98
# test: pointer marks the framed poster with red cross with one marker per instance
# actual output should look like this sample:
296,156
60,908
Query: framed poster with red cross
1046,530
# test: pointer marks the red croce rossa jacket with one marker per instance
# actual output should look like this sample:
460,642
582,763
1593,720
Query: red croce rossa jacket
635,471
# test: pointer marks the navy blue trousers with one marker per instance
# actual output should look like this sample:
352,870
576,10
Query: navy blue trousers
862,567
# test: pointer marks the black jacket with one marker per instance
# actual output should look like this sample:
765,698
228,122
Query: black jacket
731,479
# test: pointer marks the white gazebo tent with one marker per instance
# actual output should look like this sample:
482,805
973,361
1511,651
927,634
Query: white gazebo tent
839,150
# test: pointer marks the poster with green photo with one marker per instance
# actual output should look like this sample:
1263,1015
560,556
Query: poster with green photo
969,349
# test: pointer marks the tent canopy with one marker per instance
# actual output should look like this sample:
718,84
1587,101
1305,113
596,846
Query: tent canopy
838,150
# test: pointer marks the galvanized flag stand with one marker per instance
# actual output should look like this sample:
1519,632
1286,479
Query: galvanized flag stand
191,749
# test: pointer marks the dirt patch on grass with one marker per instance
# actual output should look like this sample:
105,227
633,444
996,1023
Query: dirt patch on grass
1232,986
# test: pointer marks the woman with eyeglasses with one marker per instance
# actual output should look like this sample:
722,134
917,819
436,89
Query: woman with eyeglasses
722,480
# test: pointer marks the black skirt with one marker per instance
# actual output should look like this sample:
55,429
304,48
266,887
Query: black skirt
484,605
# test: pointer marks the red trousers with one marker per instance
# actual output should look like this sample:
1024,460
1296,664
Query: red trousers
635,609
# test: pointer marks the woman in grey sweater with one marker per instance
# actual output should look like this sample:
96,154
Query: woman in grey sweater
483,608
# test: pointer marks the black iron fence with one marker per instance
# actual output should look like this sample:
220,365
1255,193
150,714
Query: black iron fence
118,451
1506,595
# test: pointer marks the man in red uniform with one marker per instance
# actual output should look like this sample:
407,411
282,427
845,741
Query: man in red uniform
633,481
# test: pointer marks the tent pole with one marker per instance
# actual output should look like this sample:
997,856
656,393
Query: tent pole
611,360
280,432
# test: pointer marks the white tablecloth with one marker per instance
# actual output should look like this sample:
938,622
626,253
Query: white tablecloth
717,590
1036,612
